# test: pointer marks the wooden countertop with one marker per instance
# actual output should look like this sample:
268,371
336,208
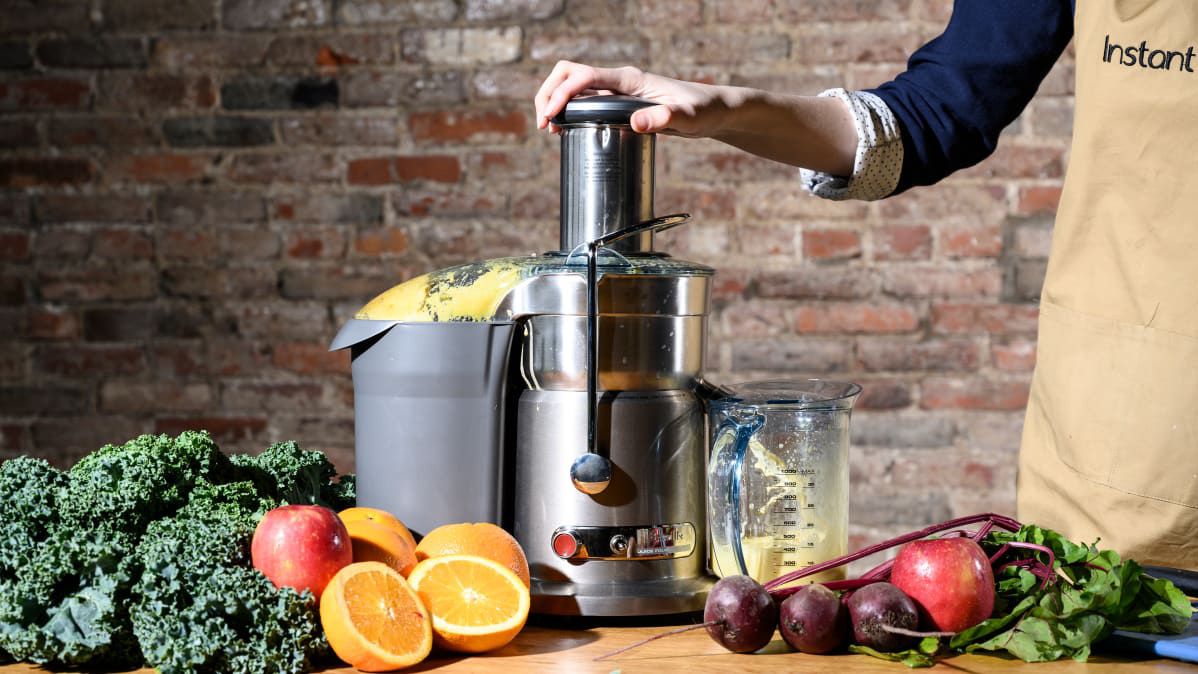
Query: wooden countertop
544,649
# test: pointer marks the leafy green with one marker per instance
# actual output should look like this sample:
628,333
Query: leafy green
140,553
923,655
1094,593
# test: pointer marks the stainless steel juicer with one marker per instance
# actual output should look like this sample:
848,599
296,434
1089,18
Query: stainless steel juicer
573,414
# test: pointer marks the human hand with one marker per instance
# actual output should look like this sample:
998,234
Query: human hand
684,108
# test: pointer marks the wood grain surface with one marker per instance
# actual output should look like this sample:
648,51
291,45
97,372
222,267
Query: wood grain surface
546,649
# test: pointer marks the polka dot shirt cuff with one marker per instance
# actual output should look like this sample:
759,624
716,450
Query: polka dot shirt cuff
879,160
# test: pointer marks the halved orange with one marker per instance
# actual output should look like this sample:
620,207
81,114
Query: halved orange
477,604
380,517
377,543
374,620
479,538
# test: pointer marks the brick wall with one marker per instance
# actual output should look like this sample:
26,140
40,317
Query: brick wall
196,194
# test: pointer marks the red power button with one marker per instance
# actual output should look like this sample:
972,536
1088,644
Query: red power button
565,544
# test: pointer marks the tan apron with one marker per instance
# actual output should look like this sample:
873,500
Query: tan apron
1110,443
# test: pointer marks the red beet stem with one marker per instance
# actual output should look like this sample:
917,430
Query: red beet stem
1003,521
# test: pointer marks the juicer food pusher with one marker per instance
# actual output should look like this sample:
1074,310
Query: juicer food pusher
591,352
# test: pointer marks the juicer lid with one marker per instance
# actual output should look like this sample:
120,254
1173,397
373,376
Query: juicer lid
812,394
615,109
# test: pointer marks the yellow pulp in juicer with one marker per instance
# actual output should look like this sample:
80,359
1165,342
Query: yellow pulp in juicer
469,292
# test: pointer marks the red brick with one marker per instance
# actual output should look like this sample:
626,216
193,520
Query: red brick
72,438
314,242
505,83
803,355
1037,199
44,93
122,242
505,166
807,11
308,358
717,47
330,51
90,360
755,240
381,241
672,14
889,355
186,53
453,203
14,245
152,92
404,168
329,208
464,127
935,282
831,244
902,242
252,242
789,202
981,318
225,430
62,243
203,282
721,166
590,46
339,130
855,43
833,283
103,131
186,242
55,323
48,171
285,168
746,11
333,284
756,318
19,133
841,317
238,357
884,394
120,395
971,241
973,394
15,437
1013,354
104,207
162,168
281,396
88,283
949,203
1020,161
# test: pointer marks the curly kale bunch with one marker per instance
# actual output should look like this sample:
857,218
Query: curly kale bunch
140,553
197,581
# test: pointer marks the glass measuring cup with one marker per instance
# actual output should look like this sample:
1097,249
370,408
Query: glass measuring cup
778,477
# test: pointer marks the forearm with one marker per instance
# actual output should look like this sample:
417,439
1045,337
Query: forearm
807,131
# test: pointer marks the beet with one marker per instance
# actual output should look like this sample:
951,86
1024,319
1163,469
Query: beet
877,606
813,620
742,616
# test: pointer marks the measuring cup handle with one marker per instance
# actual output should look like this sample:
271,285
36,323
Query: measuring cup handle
740,444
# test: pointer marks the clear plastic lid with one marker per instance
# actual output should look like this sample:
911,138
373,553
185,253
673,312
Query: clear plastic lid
812,394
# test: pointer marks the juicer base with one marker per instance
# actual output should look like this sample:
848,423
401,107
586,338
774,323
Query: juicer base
662,597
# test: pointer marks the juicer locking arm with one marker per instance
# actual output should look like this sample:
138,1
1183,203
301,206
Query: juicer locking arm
591,472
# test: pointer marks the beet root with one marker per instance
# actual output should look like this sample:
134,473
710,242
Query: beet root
742,615
813,620
875,607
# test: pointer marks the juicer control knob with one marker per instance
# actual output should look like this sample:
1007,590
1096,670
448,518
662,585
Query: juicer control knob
566,544
619,544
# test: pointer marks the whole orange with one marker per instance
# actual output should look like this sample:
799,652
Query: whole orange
480,538
378,543
380,517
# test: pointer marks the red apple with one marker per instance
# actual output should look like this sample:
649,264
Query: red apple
301,546
949,579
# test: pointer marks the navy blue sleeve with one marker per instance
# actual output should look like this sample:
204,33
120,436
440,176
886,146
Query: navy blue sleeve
961,89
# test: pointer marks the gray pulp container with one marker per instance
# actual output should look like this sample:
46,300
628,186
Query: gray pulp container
429,403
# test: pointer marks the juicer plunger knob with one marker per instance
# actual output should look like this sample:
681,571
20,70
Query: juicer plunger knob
591,473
